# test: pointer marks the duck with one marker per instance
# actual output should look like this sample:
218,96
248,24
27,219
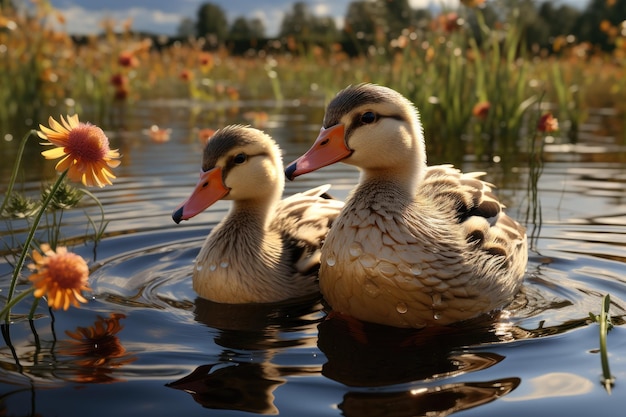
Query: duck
414,245
266,249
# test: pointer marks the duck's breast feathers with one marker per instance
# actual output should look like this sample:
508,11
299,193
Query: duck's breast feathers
476,208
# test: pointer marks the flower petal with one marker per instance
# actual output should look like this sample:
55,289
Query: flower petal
53,153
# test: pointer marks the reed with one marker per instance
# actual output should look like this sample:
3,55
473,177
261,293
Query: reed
604,320
446,66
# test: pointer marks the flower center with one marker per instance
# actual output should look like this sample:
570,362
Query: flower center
87,143
68,270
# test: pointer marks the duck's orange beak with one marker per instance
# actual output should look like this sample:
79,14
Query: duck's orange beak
209,189
329,147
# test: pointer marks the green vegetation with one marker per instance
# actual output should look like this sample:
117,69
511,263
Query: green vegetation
604,320
474,73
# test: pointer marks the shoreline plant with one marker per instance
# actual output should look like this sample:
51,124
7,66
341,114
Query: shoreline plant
58,274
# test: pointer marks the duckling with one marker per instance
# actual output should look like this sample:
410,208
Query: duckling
265,249
414,246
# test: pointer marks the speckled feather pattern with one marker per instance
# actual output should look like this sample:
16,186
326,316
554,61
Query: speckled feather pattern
242,261
414,245
265,249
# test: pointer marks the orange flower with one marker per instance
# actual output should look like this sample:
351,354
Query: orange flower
186,75
446,22
548,123
206,60
481,110
84,149
60,275
473,3
158,134
256,118
205,134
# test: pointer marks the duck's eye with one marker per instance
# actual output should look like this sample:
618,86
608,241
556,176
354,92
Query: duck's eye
368,117
240,158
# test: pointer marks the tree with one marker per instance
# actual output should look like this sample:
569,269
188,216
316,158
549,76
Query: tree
399,16
186,28
240,29
303,26
360,21
297,23
257,28
246,29
211,22
325,29
598,23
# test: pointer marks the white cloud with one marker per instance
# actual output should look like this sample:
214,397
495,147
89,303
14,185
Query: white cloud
170,18
320,9
271,19
81,21
425,4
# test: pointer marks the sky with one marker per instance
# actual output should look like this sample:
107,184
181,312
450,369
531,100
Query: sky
164,16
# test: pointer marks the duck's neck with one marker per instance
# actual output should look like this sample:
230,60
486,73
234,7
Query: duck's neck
254,215
405,177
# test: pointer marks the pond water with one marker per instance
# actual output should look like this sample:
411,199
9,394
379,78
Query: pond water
160,350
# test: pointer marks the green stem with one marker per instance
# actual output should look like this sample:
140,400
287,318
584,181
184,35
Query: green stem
16,168
33,308
7,308
99,231
29,239
607,379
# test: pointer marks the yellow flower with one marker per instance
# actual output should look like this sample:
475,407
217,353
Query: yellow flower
84,148
60,275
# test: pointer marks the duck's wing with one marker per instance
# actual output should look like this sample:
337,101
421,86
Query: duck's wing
476,208
303,220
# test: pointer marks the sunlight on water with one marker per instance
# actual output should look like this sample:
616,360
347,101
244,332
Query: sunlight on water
146,340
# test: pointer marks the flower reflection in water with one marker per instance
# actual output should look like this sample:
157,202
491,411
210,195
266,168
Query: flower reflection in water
96,350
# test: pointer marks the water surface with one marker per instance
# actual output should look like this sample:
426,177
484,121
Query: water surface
163,351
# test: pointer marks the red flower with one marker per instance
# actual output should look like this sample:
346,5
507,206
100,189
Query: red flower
128,60
547,123
119,80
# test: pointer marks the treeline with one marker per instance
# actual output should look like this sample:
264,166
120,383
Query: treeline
546,25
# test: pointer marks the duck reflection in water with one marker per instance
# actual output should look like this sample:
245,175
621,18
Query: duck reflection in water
361,354
233,386
243,377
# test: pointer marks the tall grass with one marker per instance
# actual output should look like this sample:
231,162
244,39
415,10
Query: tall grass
446,66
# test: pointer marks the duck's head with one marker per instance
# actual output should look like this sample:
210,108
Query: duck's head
367,125
238,163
